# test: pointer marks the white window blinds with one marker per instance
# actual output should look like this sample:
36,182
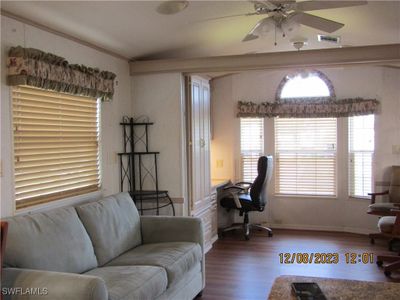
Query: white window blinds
305,156
361,150
251,146
56,151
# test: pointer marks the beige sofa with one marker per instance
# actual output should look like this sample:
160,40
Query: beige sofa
103,250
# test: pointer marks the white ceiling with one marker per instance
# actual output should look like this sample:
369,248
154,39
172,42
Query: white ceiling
135,30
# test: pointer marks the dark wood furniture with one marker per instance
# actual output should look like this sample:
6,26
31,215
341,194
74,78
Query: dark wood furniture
386,208
393,260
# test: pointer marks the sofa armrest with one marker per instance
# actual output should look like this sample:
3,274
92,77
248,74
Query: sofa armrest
18,284
158,229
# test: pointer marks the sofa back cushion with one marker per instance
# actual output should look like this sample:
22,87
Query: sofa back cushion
113,224
54,241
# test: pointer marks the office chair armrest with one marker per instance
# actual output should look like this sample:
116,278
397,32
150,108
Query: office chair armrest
235,187
243,183
234,191
373,195
237,201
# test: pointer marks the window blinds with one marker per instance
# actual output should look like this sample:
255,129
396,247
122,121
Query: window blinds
56,152
361,150
251,146
305,156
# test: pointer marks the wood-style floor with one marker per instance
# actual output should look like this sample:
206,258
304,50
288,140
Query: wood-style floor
239,269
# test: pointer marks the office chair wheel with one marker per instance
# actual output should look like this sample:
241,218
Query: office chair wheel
379,263
270,234
387,273
246,237
372,241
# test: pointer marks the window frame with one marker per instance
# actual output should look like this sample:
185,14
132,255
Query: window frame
349,163
332,96
255,155
43,200
315,153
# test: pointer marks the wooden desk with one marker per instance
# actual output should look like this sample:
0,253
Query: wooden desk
337,288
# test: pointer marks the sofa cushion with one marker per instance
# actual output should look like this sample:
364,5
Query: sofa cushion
132,282
176,257
54,241
381,207
113,224
385,224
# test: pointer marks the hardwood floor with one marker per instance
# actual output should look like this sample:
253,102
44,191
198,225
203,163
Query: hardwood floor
238,269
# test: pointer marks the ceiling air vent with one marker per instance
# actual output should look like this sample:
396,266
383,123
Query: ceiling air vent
329,38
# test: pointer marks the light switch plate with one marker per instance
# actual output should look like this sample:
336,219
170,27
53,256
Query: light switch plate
396,149
220,163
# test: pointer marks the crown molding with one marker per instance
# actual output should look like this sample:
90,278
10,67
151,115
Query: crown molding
61,34
378,54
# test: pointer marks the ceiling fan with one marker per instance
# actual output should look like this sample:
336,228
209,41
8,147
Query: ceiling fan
285,15
282,15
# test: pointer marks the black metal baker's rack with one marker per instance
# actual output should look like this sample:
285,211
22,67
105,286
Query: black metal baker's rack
135,174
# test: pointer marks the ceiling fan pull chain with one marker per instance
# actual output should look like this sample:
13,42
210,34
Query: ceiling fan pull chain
275,36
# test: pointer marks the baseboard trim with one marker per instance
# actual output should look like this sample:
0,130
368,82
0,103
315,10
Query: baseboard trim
362,231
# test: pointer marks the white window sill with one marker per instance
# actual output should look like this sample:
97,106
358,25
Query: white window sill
60,203
360,198
306,197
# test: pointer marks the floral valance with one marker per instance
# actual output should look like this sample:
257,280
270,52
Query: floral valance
308,108
28,66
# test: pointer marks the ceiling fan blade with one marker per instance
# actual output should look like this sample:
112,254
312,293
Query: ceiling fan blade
171,7
255,31
317,5
317,22
230,16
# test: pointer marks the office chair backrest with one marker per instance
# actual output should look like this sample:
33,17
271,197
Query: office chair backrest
394,189
258,191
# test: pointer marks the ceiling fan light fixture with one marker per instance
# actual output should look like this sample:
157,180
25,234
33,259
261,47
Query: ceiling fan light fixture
172,7
291,25
299,43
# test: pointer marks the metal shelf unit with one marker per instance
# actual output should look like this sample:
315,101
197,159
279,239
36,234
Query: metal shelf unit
134,174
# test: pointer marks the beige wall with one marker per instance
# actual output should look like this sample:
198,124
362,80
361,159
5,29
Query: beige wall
160,98
14,33
309,213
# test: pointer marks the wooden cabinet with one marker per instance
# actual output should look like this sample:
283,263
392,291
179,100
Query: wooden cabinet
198,152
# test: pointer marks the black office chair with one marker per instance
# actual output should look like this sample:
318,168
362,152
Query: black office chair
238,197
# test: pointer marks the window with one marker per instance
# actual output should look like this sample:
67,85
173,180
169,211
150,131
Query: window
305,148
305,151
56,145
305,86
251,146
361,150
